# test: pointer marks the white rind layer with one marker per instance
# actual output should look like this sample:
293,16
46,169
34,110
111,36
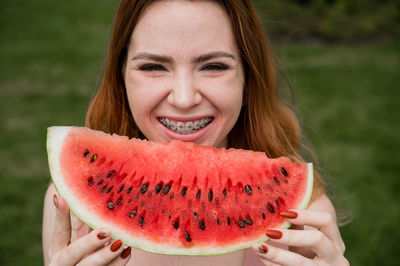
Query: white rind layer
55,140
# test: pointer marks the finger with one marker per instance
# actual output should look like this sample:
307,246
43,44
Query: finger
323,221
260,250
78,228
271,255
108,254
62,225
122,259
84,246
313,239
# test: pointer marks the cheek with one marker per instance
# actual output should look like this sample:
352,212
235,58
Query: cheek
142,95
228,94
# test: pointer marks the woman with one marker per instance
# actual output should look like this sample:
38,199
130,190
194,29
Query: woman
185,61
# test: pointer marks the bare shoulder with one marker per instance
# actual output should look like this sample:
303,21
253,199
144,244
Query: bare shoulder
322,203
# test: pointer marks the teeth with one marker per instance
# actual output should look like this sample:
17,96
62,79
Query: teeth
185,128
189,125
171,125
180,126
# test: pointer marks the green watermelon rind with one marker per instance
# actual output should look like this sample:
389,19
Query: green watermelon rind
56,135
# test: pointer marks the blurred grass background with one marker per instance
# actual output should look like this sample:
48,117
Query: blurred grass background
341,56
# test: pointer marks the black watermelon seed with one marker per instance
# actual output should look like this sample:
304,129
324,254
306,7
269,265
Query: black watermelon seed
270,208
228,220
248,189
94,157
110,205
217,201
210,195
166,189
86,153
176,224
284,171
144,188
218,222
241,223
158,188
118,201
169,216
187,236
194,214
276,180
109,189
248,221
141,221
90,181
224,192
132,213
198,194
202,225
121,188
263,214
184,191
100,182
277,202
129,190
110,173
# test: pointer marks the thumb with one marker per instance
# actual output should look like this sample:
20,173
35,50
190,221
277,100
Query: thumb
62,225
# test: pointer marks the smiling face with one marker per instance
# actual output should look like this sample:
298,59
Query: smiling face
184,77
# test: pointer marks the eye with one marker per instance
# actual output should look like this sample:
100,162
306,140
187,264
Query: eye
152,67
215,67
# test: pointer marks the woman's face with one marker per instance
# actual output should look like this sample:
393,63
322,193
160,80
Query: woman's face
184,77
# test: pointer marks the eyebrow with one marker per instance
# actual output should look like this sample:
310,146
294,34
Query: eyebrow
168,59
212,55
153,57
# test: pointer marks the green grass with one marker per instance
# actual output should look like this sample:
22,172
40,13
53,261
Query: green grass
50,60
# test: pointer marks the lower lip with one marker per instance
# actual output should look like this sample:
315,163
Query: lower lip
192,137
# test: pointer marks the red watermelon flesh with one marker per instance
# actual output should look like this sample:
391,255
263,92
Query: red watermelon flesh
174,198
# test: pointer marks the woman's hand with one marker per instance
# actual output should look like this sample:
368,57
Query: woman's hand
321,246
94,248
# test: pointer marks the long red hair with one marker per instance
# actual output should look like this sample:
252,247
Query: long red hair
265,122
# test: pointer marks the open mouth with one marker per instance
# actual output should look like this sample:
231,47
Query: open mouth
187,127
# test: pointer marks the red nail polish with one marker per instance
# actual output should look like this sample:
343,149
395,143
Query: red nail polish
125,253
116,245
55,200
275,234
101,235
263,249
288,214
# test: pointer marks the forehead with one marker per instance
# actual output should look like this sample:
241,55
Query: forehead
180,22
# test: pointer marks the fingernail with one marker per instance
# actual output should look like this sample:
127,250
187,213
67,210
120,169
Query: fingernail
275,234
116,245
288,214
262,249
55,200
125,253
101,235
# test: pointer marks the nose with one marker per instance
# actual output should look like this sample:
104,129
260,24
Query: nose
184,93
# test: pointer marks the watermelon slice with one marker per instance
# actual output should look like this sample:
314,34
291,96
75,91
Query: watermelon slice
174,198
